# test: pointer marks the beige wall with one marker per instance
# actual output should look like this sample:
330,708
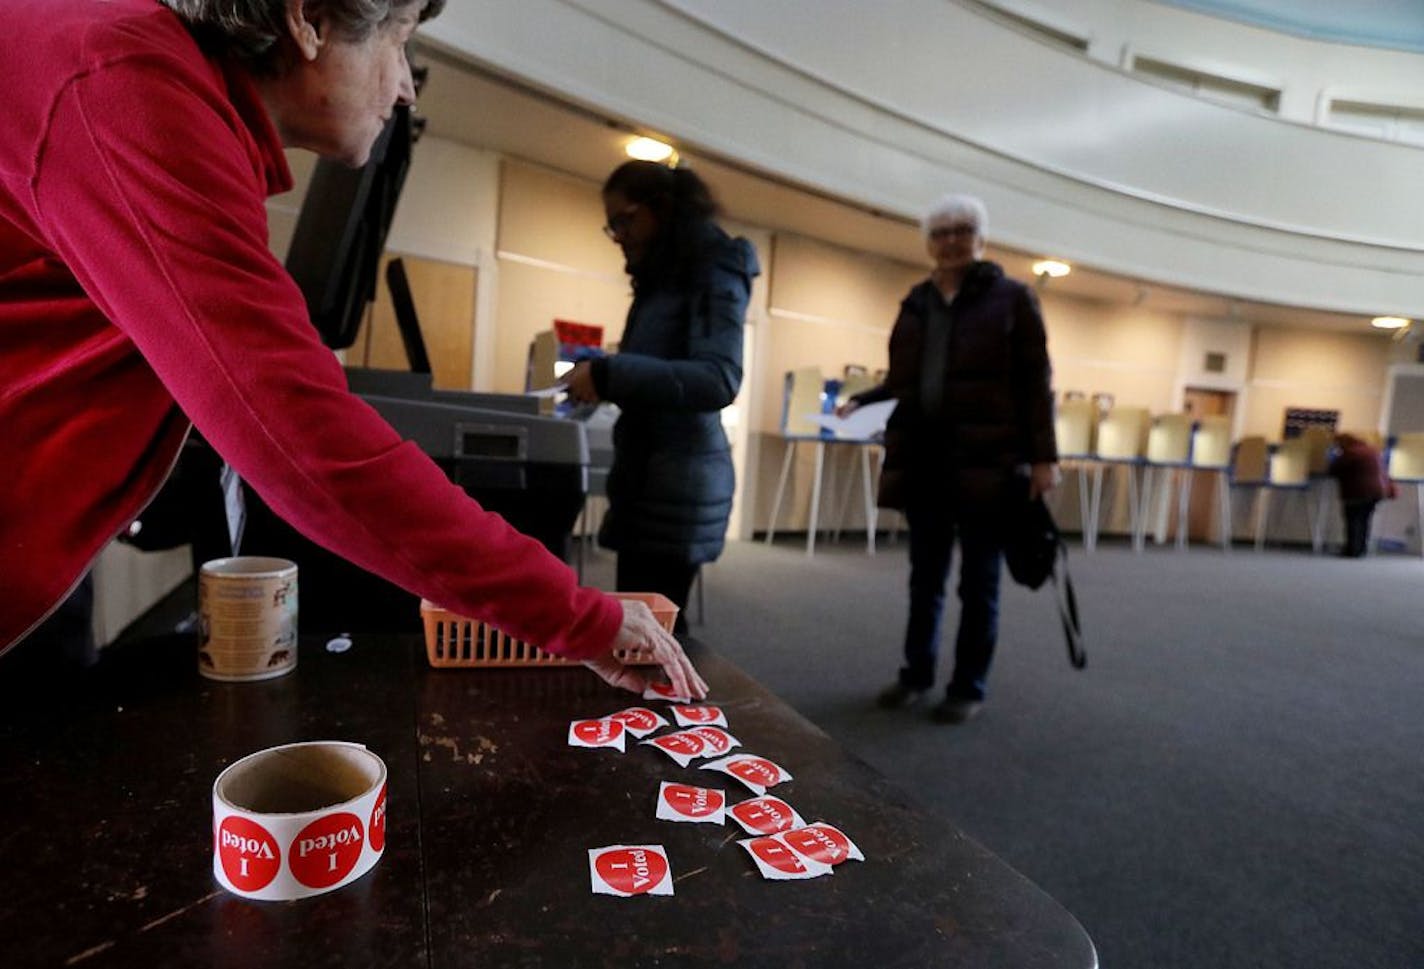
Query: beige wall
829,306
1315,369
554,263
1129,352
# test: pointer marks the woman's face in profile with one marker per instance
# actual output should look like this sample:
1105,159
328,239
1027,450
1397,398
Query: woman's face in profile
633,225
340,95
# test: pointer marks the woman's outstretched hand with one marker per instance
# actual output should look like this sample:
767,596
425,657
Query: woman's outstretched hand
641,631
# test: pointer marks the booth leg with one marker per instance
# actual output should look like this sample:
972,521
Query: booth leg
780,490
1184,504
814,522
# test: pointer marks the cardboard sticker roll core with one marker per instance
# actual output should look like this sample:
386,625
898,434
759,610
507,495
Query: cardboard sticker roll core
298,820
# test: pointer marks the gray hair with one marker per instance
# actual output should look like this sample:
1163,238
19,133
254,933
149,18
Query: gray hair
955,206
253,31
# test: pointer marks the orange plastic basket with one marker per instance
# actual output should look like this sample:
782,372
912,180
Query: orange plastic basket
453,641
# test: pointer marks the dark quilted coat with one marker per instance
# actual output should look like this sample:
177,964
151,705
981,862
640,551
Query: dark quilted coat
679,363
995,410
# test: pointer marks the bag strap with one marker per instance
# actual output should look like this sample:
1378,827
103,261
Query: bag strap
1067,603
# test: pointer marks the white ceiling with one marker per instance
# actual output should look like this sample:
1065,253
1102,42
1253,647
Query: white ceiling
465,104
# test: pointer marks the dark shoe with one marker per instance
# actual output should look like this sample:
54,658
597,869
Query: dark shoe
956,709
897,696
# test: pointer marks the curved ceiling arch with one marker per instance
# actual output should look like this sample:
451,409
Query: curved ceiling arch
1073,157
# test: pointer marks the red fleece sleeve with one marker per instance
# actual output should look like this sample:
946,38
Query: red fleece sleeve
147,190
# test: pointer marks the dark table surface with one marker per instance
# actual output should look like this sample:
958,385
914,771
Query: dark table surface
105,830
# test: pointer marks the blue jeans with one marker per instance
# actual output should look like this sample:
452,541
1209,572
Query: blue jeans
936,522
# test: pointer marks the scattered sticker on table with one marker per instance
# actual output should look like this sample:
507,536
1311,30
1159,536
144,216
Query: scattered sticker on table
628,870
824,843
699,716
664,691
757,773
717,740
682,746
639,721
778,862
685,803
767,814
604,732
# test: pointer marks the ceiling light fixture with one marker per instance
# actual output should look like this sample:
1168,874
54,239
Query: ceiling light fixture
1389,322
649,149
1051,268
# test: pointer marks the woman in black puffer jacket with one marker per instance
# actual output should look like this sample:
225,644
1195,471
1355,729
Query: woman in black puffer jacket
679,363
972,429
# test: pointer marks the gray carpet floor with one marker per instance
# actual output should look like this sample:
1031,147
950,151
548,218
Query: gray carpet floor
1236,780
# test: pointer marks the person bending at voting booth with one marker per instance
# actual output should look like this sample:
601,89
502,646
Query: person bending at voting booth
1358,468
970,371
137,293
679,363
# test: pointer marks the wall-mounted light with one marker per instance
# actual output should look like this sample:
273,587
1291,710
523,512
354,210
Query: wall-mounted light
1389,322
649,149
1051,268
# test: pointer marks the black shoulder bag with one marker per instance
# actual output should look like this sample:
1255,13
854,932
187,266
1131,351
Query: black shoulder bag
1035,552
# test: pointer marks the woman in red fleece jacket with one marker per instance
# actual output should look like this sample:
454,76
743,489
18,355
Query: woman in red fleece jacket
137,292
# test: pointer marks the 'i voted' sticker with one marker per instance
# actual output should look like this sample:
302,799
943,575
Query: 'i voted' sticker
639,721
778,862
685,803
628,870
765,815
823,843
701,716
664,691
681,746
596,733
757,773
715,740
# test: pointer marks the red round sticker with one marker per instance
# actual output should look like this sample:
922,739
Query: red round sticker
756,770
377,825
692,802
249,854
598,732
700,714
631,871
637,718
325,851
681,743
715,737
777,855
765,814
823,844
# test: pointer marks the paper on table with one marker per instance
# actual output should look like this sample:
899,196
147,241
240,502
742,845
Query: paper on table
778,862
822,842
688,804
627,870
861,424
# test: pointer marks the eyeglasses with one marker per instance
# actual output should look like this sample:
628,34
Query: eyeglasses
964,230
621,222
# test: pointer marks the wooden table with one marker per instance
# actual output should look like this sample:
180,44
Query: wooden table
105,830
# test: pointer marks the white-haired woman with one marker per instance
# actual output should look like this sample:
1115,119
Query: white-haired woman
137,293
969,368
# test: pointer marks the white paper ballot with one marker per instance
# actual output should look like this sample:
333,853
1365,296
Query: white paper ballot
861,424
553,391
